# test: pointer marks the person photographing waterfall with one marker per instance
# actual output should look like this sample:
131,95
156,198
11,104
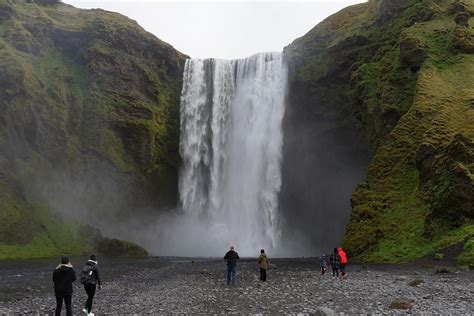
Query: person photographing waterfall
231,256
90,277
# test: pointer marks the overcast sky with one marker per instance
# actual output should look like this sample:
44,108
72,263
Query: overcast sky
223,29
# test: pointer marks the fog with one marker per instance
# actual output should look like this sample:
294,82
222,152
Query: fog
320,166
325,156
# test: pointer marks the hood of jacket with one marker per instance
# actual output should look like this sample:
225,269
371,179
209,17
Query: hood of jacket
67,265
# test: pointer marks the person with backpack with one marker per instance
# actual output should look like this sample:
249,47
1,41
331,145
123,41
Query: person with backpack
90,277
323,264
63,277
343,257
231,256
335,261
263,263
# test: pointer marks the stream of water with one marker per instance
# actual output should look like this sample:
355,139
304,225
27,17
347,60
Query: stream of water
231,147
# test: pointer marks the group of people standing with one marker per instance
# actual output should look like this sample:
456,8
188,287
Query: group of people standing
232,256
337,261
63,277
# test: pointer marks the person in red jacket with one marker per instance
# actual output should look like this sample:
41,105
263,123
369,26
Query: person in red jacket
342,267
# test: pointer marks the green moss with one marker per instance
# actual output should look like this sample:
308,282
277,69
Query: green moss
81,91
63,76
405,88
16,224
467,257
51,235
120,248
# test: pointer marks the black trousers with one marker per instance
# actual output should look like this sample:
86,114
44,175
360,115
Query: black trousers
90,290
59,305
335,272
263,275
343,269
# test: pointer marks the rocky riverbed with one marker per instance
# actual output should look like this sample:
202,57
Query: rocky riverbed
157,285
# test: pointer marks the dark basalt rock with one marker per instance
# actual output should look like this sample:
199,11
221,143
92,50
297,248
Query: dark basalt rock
462,19
412,50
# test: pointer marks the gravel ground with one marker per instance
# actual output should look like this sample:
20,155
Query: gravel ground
184,286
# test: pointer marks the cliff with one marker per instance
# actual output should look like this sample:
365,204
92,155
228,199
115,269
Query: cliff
89,123
405,70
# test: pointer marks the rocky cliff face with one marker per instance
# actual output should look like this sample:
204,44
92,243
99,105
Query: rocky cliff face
404,69
89,128
89,117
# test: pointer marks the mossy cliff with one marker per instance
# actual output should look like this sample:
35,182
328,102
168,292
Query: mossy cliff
405,70
89,118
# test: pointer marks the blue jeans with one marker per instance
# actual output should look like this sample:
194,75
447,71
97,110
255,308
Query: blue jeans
231,273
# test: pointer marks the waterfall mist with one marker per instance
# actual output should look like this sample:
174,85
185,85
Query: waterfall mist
231,148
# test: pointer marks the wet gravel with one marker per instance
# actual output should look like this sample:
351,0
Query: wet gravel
155,285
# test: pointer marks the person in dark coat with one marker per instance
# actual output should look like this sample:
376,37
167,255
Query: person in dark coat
90,278
231,256
335,261
63,276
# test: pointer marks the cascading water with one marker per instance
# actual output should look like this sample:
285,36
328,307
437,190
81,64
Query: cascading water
231,147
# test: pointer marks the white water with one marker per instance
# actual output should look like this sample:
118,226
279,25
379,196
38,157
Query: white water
231,147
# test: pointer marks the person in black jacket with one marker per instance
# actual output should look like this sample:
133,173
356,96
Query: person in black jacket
90,277
231,256
63,276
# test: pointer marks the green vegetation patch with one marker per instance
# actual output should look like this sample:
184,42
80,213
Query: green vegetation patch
52,236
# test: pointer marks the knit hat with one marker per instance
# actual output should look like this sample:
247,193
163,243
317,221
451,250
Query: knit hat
64,260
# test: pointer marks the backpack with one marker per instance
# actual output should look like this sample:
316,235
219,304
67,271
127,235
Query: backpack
87,275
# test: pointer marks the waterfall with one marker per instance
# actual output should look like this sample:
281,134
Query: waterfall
231,148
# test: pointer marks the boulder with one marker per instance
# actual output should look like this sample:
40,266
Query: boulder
324,311
416,282
401,304
120,248
442,270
